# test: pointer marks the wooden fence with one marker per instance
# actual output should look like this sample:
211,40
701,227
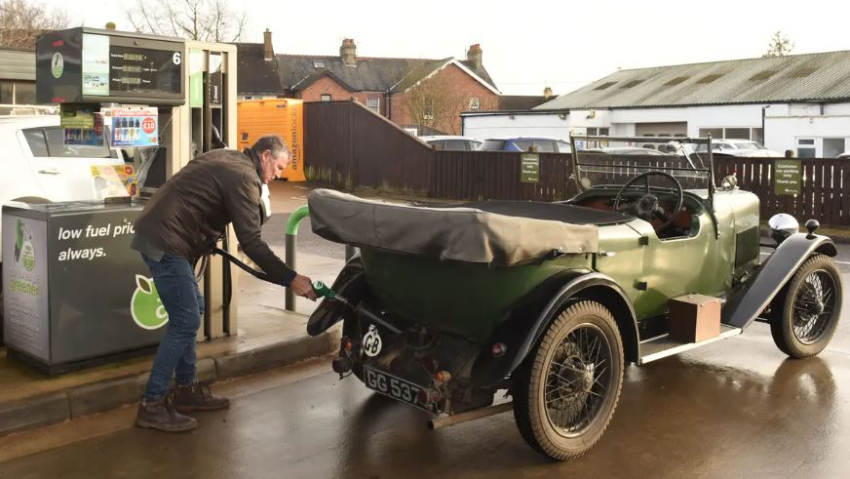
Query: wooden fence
348,146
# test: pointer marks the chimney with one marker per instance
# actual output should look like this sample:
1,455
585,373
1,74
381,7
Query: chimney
548,93
268,50
474,55
348,52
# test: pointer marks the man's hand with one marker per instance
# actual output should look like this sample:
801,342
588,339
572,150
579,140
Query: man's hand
303,286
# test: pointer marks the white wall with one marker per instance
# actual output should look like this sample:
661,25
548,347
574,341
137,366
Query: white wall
784,123
837,109
783,132
734,116
502,126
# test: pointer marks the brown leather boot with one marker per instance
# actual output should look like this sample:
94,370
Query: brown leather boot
160,415
197,397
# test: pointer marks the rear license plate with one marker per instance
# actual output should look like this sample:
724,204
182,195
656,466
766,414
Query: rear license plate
391,386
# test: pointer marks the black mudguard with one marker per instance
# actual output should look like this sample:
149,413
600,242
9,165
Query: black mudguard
526,322
350,284
745,304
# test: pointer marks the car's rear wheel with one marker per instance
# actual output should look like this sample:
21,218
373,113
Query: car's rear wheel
805,314
566,392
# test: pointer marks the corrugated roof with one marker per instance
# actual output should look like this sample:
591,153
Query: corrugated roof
821,77
256,76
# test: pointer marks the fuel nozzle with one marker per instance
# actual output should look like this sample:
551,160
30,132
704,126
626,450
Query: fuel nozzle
323,291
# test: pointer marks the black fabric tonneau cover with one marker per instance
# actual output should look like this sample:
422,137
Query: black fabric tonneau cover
493,233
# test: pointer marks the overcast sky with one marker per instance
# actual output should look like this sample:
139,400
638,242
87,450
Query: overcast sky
529,44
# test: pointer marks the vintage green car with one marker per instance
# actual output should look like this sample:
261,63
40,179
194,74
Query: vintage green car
450,306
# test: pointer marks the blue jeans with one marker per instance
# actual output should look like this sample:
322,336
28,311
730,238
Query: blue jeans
175,282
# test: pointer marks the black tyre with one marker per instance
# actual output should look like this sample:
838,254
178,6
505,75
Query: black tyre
566,392
805,314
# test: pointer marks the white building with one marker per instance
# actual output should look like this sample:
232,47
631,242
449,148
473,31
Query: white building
798,102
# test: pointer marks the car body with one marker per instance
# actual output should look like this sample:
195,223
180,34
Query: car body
448,307
38,167
737,147
846,154
541,144
628,150
452,143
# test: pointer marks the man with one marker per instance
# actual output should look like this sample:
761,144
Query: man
181,224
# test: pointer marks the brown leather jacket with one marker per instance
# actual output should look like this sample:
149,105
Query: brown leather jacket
188,214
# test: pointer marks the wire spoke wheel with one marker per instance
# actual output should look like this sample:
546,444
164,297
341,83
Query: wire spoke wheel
814,307
805,314
578,381
566,392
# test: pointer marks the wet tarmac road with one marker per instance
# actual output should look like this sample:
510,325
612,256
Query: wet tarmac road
736,408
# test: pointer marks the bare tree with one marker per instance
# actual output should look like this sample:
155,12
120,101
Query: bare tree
434,103
22,21
203,20
779,46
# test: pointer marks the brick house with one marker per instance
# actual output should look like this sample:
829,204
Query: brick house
421,95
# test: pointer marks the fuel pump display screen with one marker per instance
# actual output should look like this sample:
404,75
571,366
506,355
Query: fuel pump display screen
144,71
84,65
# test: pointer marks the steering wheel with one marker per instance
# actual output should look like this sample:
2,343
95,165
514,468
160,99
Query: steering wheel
648,205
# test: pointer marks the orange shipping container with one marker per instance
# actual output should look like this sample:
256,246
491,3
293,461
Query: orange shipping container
256,118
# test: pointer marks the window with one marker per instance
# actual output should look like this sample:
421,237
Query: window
764,75
493,145
25,93
832,147
17,93
35,140
737,133
428,114
676,81
631,84
605,85
709,78
474,103
7,93
374,104
803,72
597,132
326,97
806,148
318,64
714,132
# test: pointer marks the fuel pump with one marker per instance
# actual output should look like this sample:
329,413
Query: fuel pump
88,298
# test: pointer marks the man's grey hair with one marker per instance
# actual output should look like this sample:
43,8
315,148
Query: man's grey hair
272,143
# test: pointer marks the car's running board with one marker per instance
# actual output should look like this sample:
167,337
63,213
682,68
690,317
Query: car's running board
662,346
